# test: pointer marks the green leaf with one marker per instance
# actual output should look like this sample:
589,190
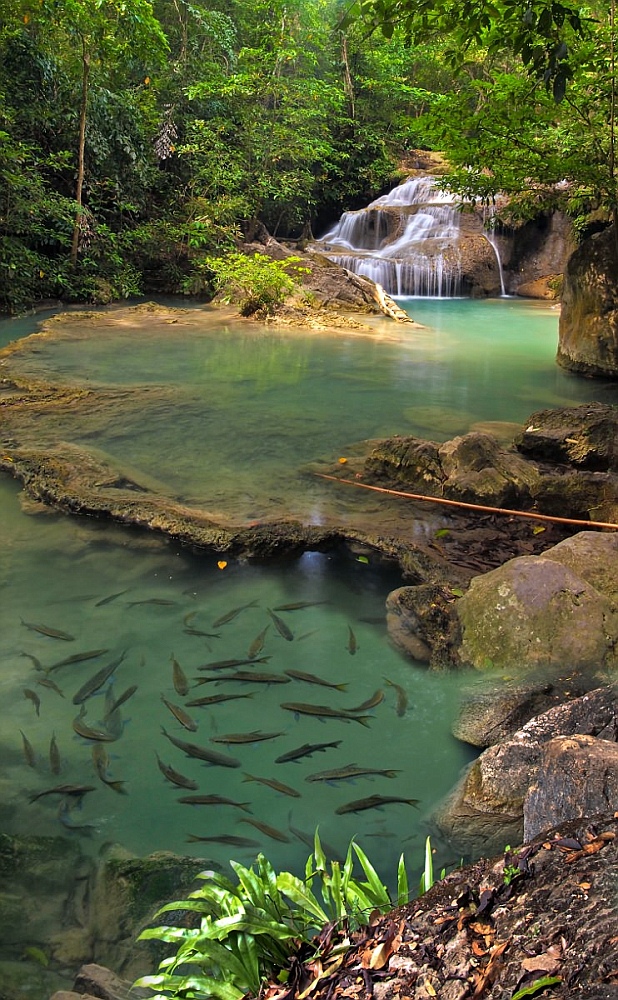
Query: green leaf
297,891
377,887
538,984
403,890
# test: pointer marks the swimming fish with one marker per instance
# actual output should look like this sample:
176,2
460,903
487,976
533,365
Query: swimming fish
270,831
373,802
246,676
257,645
157,601
90,654
225,838
253,737
29,753
188,618
36,663
54,755
79,790
352,644
215,699
228,664
402,698
230,615
64,815
325,712
306,750
376,698
278,786
97,681
175,776
87,732
348,772
281,627
180,715
108,600
202,753
49,683
115,705
34,698
53,633
213,800
179,678
300,675
101,763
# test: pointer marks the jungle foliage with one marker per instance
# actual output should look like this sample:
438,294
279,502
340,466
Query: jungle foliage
140,140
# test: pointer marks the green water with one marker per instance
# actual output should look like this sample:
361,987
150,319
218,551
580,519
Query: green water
241,410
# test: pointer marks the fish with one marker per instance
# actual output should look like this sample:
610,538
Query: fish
325,711
97,681
306,635
230,615
188,618
180,715
101,764
53,633
254,737
216,699
246,676
90,654
115,705
202,753
269,831
47,682
213,800
34,698
350,771
206,635
352,644
179,678
373,802
87,732
224,838
306,750
376,698
257,645
64,815
54,755
298,605
175,776
78,790
300,675
108,600
36,663
29,753
278,786
228,664
159,602
402,698
281,627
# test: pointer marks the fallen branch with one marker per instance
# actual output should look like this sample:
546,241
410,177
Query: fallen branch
471,506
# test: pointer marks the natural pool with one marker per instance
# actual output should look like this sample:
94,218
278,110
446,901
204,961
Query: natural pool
236,414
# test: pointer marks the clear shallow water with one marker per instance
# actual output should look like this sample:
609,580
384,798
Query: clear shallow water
251,407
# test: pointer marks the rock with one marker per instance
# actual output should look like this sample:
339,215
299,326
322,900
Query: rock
421,623
545,287
478,470
594,557
588,332
584,437
535,612
490,715
485,810
409,461
100,982
577,776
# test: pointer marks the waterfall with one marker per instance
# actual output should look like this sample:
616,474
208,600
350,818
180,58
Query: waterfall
406,241
490,235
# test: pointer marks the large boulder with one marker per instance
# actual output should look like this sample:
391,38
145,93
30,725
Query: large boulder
588,334
534,612
584,437
485,810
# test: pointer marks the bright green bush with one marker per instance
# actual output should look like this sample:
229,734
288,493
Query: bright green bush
257,283
249,931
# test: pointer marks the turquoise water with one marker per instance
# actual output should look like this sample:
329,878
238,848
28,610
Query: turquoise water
236,413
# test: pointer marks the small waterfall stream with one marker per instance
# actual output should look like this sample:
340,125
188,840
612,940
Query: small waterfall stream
489,223
406,241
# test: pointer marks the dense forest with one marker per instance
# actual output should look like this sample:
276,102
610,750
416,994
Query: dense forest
139,140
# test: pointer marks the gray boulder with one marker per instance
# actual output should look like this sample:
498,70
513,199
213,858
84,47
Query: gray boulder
588,333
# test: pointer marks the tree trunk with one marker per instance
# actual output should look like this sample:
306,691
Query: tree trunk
80,152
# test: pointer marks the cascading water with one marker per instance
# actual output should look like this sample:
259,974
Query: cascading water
406,241
489,224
